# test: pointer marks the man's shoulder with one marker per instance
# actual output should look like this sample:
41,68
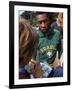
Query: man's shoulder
54,24
56,31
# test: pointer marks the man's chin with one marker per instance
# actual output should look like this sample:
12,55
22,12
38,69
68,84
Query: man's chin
44,31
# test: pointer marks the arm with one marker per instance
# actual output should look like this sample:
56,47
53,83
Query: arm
60,48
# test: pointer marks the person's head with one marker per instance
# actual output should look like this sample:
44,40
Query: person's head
42,21
27,41
60,18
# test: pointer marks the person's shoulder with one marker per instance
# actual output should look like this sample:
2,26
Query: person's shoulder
56,32
54,24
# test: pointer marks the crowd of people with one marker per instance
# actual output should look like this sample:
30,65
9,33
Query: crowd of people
41,49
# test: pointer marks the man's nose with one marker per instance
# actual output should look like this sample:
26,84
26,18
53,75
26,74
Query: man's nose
43,24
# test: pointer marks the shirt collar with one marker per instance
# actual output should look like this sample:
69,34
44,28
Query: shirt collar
50,32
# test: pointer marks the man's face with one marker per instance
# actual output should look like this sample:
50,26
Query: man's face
42,22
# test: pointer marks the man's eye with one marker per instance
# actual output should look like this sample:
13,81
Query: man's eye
39,22
45,21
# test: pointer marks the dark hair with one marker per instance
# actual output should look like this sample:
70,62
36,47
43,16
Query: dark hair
38,13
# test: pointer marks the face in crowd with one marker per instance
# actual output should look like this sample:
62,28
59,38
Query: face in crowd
42,21
60,18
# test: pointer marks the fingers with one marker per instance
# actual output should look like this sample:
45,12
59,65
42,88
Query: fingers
32,64
56,63
36,69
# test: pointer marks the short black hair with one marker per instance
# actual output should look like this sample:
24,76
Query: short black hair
38,13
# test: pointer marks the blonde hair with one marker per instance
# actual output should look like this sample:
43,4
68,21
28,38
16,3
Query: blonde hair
27,41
